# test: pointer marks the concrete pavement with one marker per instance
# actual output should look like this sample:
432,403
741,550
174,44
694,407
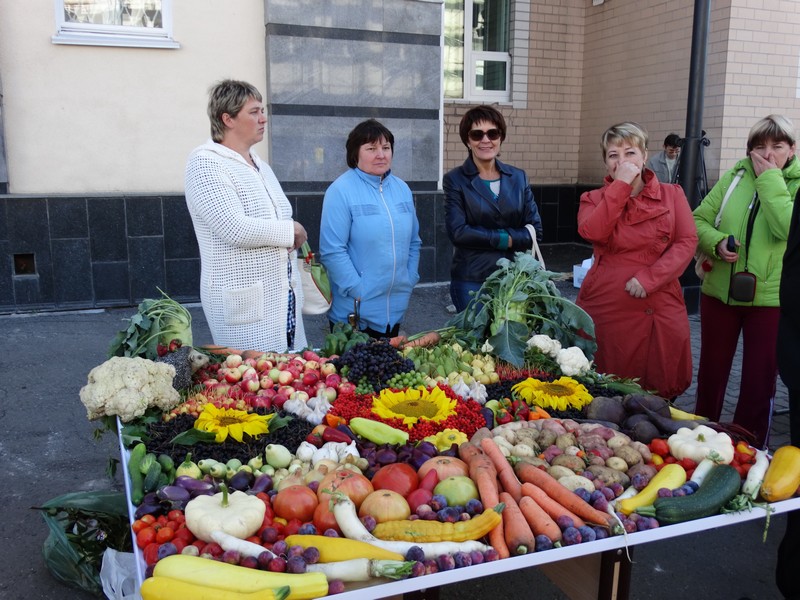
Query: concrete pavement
47,448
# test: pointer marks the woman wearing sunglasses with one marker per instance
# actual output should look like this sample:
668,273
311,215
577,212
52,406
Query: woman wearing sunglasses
487,205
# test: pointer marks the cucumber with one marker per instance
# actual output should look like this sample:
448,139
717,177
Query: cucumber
718,488
137,479
153,474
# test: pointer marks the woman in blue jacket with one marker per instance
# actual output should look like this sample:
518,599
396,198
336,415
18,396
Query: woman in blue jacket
487,205
369,235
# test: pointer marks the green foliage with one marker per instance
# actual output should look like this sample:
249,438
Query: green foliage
517,301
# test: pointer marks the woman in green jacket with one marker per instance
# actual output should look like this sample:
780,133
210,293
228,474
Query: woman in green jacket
757,216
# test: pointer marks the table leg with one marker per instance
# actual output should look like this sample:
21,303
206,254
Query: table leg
604,576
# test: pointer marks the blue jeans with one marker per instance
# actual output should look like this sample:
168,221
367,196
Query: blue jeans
460,292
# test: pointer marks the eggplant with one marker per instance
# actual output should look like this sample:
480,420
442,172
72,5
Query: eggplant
151,498
418,458
347,431
427,448
174,493
488,416
194,486
667,425
241,480
452,451
262,483
146,509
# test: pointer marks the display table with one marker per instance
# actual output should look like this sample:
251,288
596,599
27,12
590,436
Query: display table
593,570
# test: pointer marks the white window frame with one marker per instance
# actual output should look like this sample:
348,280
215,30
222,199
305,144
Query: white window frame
473,57
90,34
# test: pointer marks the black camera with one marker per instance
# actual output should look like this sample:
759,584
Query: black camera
731,244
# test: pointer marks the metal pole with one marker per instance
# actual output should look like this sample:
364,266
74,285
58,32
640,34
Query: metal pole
690,152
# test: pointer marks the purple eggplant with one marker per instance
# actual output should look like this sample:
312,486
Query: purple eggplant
262,483
194,486
488,416
347,431
146,509
451,451
241,480
174,493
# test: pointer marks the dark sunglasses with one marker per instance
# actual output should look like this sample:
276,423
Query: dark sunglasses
476,135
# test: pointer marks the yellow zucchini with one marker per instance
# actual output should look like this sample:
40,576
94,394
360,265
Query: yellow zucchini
223,576
335,549
783,475
167,588
436,531
670,476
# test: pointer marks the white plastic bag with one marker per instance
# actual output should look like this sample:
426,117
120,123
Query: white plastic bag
118,575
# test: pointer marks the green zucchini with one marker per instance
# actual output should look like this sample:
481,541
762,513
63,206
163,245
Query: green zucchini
718,488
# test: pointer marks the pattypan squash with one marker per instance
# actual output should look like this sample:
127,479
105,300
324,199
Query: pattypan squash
699,443
446,438
237,514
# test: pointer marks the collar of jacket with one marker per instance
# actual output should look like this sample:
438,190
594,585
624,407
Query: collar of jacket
226,152
373,180
652,186
471,169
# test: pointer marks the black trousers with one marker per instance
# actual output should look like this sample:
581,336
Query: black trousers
787,573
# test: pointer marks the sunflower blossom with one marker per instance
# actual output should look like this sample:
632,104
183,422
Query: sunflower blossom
561,394
226,422
413,405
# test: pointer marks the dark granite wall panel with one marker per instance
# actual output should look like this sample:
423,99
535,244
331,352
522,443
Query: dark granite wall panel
72,274
6,281
183,279
179,238
68,218
107,229
111,283
143,215
146,267
3,219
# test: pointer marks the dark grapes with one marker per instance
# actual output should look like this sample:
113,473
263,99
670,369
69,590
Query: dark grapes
372,365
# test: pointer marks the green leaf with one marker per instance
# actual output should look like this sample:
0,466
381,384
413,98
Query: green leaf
510,341
192,436
278,421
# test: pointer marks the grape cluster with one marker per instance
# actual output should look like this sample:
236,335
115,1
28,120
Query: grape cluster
373,363
410,379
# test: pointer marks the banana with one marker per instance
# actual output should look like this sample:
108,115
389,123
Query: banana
681,415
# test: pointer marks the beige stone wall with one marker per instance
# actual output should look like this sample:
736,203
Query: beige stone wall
543,139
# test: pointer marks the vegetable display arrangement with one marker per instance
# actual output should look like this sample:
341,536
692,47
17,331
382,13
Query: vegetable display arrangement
514,302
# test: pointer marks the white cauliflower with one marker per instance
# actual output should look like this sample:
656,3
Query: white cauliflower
127,387
546,344
572,361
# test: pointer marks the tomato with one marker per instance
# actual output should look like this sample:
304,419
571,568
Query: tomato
688,464
445,466
659,446
162,520
385,505
398,477
150,553
176,515
292,526
254,539
165,534
185,535
670,459
179,544
323,519
145,536
295,502
353,485
138,525
149,519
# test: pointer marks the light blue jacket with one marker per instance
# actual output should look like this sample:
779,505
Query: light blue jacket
370,245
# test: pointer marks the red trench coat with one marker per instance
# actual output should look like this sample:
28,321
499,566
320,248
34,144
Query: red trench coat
651,237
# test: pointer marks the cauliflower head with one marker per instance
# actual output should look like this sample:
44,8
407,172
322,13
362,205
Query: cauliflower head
573,361
127,387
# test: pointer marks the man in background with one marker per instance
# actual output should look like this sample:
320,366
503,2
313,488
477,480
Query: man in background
665,163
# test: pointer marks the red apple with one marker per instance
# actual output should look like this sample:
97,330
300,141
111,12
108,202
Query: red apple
232,361
261,402
285,377
266,382
232,375
251,385
266,392
310,377
250,362
330,394
279,400
333,380
300,395
327,368
310,355
346,388
311,365
263,364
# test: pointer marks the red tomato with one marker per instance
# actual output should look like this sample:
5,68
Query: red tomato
149,519
688,464
295,502
176,515
138,525
179,544
397,477
145,536
292,527
185,535
165,534
150,553
670,459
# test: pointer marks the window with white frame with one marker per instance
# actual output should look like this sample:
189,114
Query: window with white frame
477,38
135,23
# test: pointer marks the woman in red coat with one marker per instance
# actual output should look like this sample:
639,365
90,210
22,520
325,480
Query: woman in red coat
643,237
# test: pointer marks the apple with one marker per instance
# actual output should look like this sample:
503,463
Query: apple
327,368
346,388
232,361
285,377
274,374
266,382
263,364
261,402
333,380
286,390
300,395
330,394
458,490
282,366
296,373
232,375
251,385
310,355
250,362
210,383
417,498
279,400
311,365
243,368
266,392
297,363
310,377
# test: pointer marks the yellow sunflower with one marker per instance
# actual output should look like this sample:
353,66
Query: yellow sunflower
414,404
230,422
561,394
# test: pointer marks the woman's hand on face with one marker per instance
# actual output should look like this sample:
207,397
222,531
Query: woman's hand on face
762,163
627,171
300,235
725,254
635,289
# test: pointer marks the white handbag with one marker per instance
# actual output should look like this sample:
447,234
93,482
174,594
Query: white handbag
314,278
536,252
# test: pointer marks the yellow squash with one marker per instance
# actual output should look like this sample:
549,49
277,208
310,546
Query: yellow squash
167,588
436,531
334,549
670,476
783,475
223,576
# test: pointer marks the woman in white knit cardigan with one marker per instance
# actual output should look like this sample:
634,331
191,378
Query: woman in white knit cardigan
249,286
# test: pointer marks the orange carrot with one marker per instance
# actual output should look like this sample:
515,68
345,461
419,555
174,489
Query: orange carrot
541,523
483,473
552,507
398,341
518,534
425,340
223,350
568,499
505,471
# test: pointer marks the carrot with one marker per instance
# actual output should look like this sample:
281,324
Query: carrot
252,354
552,507
568,499
541,523
518,534
423,340
483,473
222,350
398,342
505,471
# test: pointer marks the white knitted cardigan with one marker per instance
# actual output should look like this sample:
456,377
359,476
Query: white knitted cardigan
244,227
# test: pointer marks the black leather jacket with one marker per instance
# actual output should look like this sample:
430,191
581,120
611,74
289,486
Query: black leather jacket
474,219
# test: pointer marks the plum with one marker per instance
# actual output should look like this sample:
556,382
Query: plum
307,529
476,556
269,535
311,555
438,502
418,569
583,494
462,559
263,559
571,536
280,547
231,557
431,566
491,555
296,564
330,532
474,507
543,543
564,522
415,553
249,562
335,586
445,562
587,533
600,533
277,565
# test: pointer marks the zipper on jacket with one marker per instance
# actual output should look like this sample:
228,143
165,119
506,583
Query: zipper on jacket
394,255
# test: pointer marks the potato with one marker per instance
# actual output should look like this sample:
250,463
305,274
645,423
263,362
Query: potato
528,436
629,454
609,476
573,482
522,450
649,471
619,439
557,472
574,463
535,461
615,462
642,449
503,442
546,438
565,440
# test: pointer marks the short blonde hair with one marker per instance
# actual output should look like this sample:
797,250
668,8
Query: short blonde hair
630,132
775,128
228,96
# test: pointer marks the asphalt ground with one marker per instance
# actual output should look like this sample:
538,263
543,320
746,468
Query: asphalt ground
47,448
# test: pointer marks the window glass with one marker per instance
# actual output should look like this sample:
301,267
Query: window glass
454,48
128,13
490,25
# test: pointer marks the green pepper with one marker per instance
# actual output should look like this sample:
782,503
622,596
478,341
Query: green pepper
377,432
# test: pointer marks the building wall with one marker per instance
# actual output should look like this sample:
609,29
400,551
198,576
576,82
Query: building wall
93,119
